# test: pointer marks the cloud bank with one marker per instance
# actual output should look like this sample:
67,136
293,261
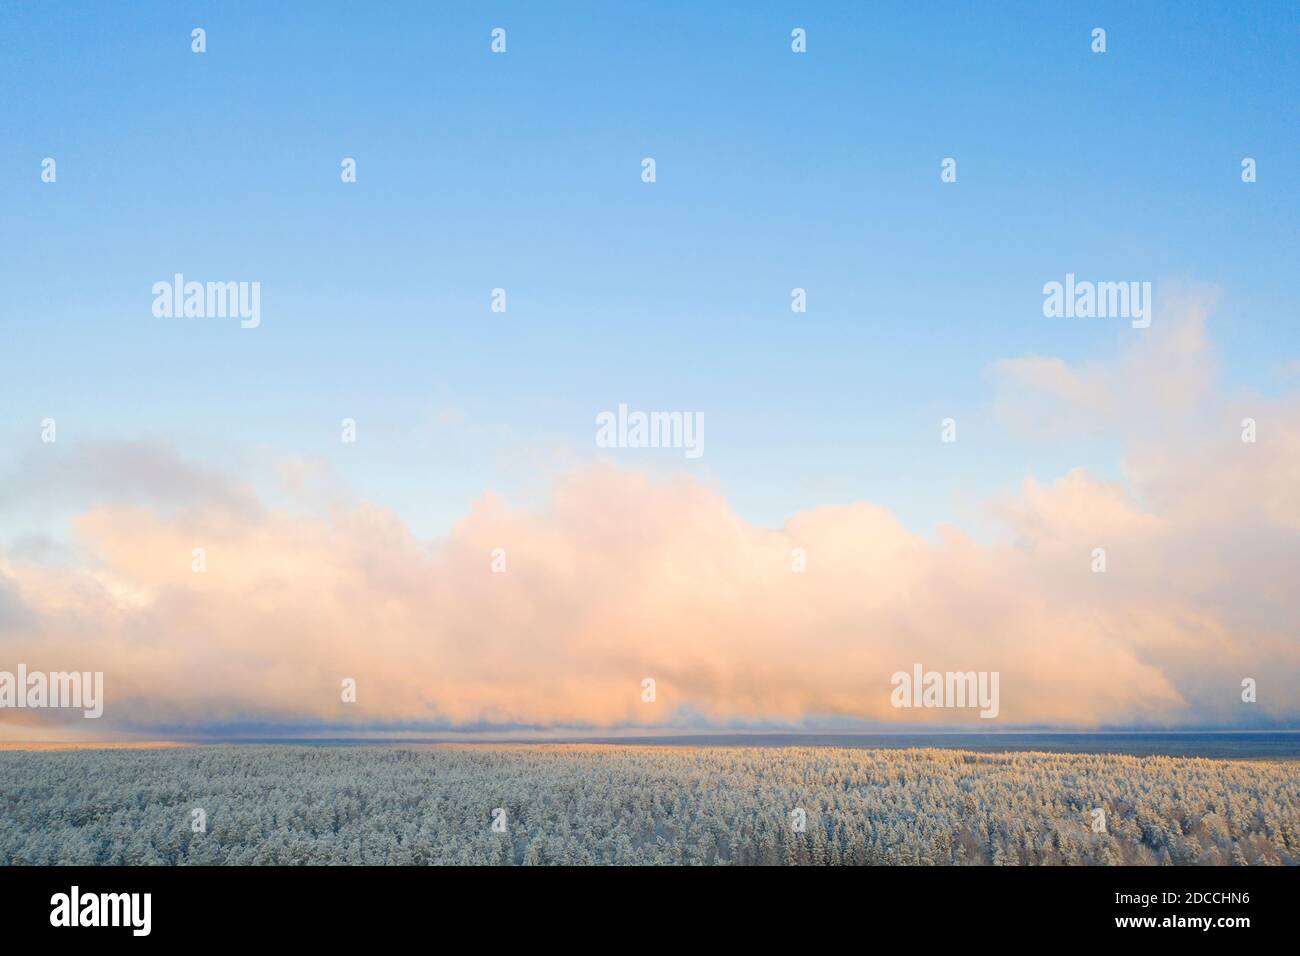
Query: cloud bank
622,578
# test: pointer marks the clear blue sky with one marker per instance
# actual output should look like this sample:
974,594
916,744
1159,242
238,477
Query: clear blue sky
523,171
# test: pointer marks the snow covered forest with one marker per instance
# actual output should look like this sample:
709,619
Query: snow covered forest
568,804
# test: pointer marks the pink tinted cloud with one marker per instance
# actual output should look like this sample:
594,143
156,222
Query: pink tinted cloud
621,578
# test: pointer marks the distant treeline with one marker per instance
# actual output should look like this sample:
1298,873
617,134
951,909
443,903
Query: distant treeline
536,805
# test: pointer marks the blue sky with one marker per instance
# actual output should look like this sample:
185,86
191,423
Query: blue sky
522,170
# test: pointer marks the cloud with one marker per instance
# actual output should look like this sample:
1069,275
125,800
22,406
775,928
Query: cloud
1165,377
146,472
621,577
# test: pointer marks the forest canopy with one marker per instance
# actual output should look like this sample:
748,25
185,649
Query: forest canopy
590,804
